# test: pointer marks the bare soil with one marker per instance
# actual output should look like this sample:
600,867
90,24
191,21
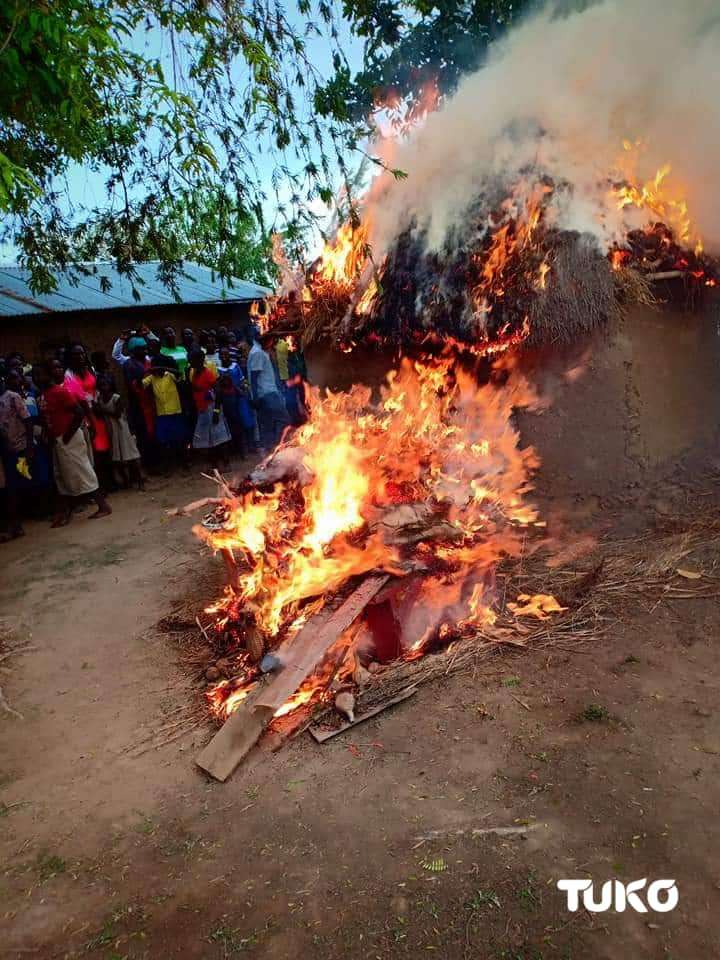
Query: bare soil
604,761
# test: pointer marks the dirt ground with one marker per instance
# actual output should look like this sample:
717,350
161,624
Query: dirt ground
603,761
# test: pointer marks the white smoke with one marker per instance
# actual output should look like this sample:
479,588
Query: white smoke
562,93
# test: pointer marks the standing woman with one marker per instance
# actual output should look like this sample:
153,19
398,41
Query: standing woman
75,475
81,382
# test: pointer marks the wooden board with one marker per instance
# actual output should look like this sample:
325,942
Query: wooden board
300,656
321,735
311,644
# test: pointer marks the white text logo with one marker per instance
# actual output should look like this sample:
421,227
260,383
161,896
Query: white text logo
660,896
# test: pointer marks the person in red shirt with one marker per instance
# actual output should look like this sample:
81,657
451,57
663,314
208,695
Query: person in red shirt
75,475
211,429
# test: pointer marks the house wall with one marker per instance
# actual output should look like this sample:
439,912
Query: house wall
623,405
37,335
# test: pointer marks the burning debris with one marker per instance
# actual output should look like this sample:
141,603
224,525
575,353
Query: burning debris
373,535
416,496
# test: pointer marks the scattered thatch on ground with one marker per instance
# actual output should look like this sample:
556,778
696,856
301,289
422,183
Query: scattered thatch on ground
613,583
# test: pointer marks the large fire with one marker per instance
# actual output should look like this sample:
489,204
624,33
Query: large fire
428,483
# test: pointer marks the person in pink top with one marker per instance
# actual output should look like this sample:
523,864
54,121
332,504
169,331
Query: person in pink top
81,382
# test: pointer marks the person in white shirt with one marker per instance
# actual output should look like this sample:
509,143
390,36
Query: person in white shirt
272,415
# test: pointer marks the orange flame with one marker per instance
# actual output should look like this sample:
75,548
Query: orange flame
539,606
659,197
436,439
343,258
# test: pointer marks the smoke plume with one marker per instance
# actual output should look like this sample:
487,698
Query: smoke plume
559,96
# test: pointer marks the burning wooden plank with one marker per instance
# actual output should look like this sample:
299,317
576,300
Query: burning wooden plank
300,656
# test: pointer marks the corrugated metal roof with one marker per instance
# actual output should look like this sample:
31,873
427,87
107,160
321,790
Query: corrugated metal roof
84,292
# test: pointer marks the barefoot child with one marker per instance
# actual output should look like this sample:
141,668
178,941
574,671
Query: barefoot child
125,454
211,429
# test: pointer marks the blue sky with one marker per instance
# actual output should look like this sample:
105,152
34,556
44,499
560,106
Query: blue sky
85,188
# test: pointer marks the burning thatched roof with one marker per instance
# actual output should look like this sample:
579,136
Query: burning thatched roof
508,274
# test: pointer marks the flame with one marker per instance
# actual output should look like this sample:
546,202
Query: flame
343,258
437,443
366,301
514,232
299,699
618,258
539,606
224,698
661,198
542,274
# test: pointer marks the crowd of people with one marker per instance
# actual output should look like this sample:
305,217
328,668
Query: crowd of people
78,426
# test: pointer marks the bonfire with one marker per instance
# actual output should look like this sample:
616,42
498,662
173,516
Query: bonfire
419,493
374,535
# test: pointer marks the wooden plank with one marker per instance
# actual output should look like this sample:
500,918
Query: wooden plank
314,640
243,729
322,735
240,732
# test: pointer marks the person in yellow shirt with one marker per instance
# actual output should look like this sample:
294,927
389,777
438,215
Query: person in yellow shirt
170,423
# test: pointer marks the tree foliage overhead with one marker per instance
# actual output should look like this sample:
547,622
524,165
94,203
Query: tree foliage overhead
210,228
414,43
163,99
192,111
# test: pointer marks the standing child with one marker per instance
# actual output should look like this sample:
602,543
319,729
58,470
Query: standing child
125,454
169,420
236,403
211,429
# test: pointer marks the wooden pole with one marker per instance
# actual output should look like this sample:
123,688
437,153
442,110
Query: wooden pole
299,656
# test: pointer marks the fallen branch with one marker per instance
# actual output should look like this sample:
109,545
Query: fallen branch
195,505
479,832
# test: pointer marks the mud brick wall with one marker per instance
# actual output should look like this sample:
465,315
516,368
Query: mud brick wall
623,405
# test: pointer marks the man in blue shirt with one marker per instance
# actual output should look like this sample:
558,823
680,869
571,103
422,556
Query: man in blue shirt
269,405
